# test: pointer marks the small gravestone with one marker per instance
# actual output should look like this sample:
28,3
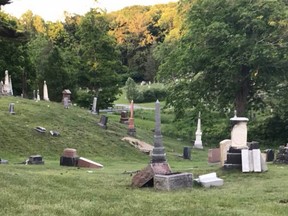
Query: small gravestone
11,108
187,152
66,102
35,160
124,117
69,157
103,121
214,155
269,155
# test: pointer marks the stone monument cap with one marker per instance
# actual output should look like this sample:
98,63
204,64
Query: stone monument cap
240,119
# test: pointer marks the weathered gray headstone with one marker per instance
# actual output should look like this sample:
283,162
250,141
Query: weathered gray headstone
173,181
11,108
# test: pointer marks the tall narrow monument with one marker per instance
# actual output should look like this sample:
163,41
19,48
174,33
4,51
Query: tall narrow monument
131,126
38,96
45,92
158,153
10,86
198,141
158,163
6,87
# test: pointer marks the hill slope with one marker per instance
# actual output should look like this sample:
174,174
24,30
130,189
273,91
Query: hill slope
78,129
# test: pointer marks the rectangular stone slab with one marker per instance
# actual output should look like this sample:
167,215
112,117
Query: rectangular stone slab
173,181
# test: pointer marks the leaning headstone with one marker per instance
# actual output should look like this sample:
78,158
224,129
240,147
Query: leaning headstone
198,141
103,121
11,108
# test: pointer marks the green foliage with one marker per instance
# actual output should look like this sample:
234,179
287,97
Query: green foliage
230,51
131,89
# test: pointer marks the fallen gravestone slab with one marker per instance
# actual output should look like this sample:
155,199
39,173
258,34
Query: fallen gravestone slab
54,133
40,129
2,161
142,146
84,162
209,180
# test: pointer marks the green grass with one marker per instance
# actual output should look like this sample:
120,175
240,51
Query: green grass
54,190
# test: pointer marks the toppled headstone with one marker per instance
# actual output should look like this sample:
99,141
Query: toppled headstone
84,162
209,180
54,133
142,146
2,161
103,121
40,129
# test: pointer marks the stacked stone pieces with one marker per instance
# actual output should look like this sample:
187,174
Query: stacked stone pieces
282,155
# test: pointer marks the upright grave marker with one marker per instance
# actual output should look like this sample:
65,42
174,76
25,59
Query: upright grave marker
131,126
198,141
45,92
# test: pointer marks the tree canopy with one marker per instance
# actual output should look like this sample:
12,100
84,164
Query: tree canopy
230,55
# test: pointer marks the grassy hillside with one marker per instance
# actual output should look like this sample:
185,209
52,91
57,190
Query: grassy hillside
78,129
51,189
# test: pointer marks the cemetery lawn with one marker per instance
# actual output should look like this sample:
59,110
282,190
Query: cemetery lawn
51,189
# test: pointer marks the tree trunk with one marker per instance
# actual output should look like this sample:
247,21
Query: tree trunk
242,92
24,83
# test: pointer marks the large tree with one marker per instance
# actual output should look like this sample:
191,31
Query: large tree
231,53
100,61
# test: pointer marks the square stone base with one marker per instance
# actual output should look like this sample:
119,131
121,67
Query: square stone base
173,181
